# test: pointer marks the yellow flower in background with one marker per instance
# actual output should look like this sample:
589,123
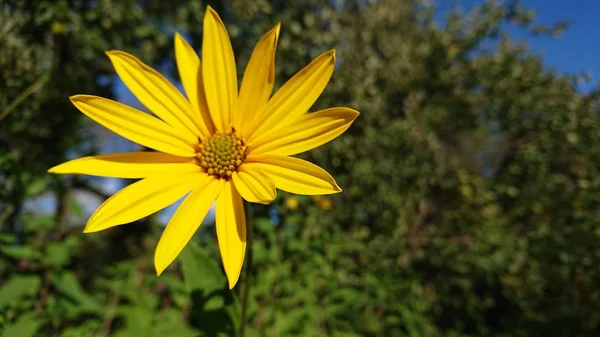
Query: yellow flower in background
322,202
217,144
291,203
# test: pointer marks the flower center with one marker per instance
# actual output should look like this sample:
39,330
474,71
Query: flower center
222,154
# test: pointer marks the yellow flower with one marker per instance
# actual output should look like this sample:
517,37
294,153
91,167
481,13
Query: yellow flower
218,144
291,203
322,202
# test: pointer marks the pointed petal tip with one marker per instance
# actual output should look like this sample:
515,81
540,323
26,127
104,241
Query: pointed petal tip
112,52
79,98
91,227
58,169
115,54
179,39
232,282
273,34
159,268
212,12
331,54
277,29
336,188
213,15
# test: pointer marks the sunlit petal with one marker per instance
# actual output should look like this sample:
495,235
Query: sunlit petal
296,96
143,198
294,175
218,71
131,165
253,185
259,79
231,232
155,92
185,221
135,125
308,132
190,72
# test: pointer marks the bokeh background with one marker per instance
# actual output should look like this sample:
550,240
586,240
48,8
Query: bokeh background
471,203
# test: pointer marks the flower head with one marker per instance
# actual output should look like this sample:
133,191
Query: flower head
217,143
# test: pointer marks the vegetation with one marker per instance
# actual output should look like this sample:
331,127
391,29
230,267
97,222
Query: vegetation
471,189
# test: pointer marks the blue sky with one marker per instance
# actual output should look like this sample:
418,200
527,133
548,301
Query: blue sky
578,49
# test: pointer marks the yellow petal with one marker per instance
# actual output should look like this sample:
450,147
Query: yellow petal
308,132
135,125
294,175
143,198
190,72
131,165
218,71
259,79
296,96
231,232
156,93
185,221
253,185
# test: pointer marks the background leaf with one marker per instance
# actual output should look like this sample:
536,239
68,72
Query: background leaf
215,309
18,287
25,326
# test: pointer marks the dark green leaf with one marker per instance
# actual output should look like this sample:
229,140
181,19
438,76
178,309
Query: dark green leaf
68,284
215,308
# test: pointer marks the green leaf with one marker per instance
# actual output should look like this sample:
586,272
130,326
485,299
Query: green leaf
35,223
172,323
215,309
142,321
18,287
58,254
138,321
88,328
25,326
68,284
38,186
7,238
21,252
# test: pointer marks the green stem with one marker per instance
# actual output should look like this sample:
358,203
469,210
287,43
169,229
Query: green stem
248,276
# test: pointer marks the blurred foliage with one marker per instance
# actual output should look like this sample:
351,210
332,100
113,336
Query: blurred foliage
471,180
